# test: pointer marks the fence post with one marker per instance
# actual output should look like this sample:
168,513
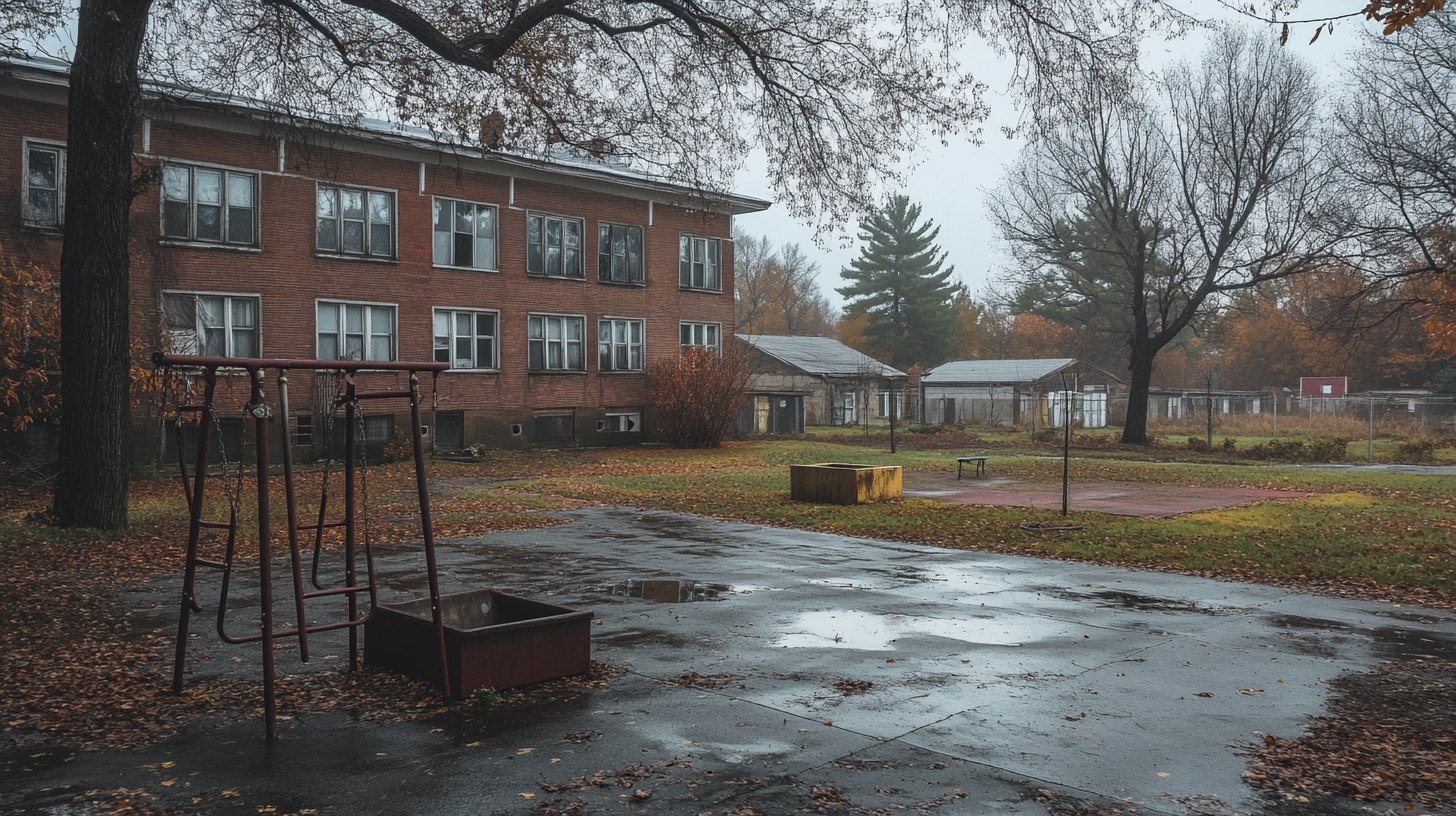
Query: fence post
1370,443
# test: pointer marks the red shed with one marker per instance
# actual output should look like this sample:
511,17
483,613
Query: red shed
1323,386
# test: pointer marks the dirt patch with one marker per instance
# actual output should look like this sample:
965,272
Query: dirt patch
1122,499
1390,735
848,687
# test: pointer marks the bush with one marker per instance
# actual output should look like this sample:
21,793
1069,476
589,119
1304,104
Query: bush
1322,449
1415,450
698,395
1328,449
1229,445
1198,443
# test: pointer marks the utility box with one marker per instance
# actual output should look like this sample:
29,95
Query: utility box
839,483
492,640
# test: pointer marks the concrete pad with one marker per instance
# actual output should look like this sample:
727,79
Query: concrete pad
1117,498
1000,685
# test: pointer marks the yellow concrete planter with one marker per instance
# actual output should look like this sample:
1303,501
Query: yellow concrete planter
837,483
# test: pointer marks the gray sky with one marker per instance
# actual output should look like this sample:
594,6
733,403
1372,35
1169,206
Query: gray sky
950,183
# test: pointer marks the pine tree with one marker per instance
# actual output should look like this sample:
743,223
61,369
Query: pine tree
898,285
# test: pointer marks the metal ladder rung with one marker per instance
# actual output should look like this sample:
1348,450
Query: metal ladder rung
324,593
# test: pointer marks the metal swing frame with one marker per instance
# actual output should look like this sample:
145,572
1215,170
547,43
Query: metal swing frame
262,413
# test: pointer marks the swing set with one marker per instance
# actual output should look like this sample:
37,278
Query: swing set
178,368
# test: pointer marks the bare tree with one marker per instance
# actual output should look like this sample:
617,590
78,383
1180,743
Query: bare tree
1159,204
777,292
833,92
1398,117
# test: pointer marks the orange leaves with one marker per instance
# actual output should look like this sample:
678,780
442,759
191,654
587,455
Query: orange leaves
1398,14
30,333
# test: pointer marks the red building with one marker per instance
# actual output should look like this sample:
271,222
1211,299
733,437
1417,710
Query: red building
1323,386
548,286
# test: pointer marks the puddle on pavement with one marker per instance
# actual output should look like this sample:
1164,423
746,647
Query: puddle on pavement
852,629
1388,642
1118,599
667,591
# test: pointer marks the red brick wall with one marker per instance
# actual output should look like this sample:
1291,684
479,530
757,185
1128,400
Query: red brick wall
289,275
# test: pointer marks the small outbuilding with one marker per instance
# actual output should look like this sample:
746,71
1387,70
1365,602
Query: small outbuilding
799,381
1038,393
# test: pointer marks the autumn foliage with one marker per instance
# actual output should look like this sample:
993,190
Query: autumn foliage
30,331
697,396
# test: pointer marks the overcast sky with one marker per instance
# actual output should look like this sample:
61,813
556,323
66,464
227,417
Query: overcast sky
950,183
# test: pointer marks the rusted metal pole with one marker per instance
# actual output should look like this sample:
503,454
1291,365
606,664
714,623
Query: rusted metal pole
260,413
351,431
427,529
194,526
292,501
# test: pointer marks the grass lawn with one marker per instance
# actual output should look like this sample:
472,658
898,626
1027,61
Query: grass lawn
1382,535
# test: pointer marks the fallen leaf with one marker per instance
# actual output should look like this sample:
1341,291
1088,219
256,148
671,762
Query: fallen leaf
1205,694
527,795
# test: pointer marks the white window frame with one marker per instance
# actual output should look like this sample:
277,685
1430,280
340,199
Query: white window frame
546,342
606,252
369,251
698,332
453,337
542,264
228,329
694,251
59,149
225,206
629,417
445,255
610,349
370,330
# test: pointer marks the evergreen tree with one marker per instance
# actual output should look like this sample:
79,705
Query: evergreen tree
898,286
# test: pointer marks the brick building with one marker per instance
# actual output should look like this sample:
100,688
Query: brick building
548,286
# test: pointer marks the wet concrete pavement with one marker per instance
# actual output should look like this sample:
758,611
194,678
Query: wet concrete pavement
1000,685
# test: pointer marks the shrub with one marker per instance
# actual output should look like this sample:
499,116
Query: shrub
1198,443
698,395
1328,449
1229,444
1415,450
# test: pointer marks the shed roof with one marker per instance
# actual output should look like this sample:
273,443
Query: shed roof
994,371
819,355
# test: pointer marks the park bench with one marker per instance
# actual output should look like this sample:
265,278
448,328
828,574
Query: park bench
980,464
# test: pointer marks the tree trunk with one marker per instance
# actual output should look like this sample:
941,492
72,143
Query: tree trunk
105,97
1135,427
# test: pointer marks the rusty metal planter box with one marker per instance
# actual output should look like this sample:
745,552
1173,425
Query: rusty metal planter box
491,639
839,483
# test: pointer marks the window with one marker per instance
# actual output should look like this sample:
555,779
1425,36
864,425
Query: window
355,222
212,206
700,335
301,430
211,325
555,343
465,339
1327,390
553,246
619,253
355,331
379,429
464,234
560,425
619,345
885,405
621,422
697,261
45,176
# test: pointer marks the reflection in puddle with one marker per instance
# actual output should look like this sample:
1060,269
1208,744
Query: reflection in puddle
666,591
1389,642
852,629
1118,599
